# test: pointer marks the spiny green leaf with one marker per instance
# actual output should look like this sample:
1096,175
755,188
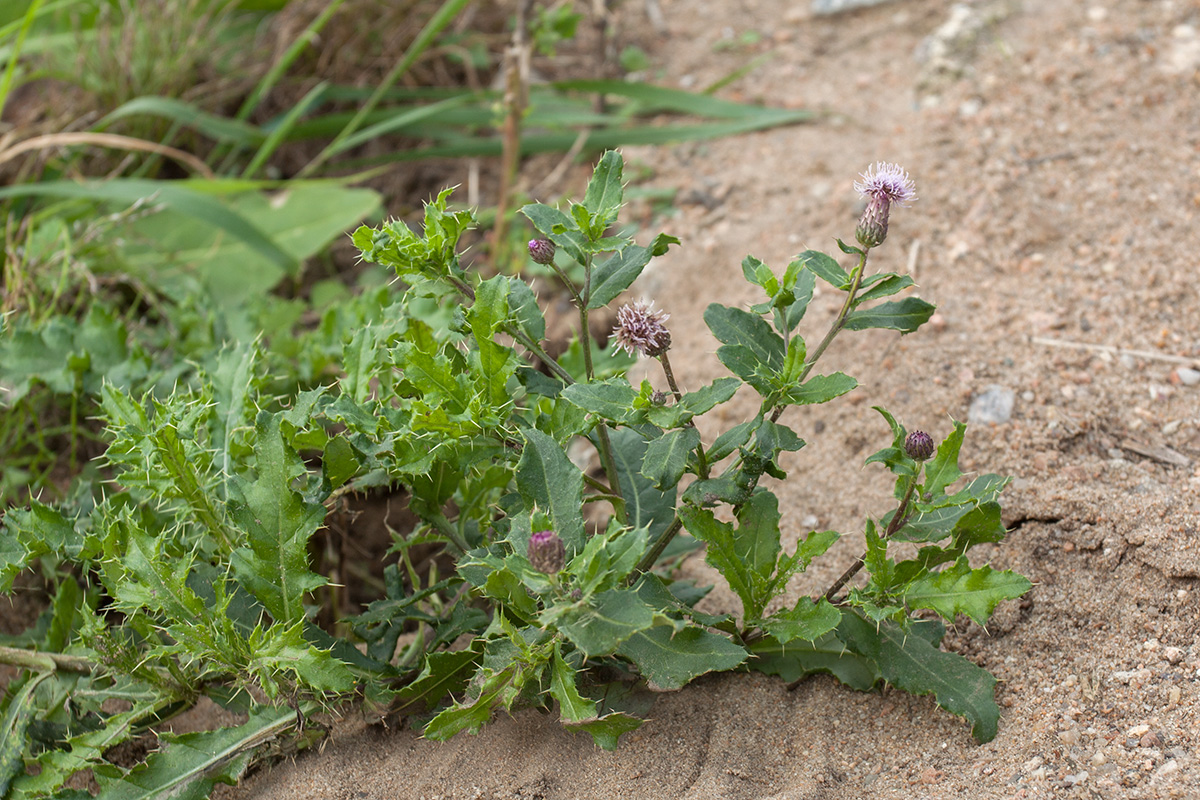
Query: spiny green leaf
547,478
960,589
597,627
646,506
733,326
606,730
806,620
898,315
193,763
915,665
668,659
572,706
821,389
666,457
942,470
616,274
825,268
278,523
605,190
611,399
800,658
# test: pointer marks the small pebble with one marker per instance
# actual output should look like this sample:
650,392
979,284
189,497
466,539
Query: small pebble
1188,377
1173,655
1138,730
994,404
1173,696
1098,758
1151,739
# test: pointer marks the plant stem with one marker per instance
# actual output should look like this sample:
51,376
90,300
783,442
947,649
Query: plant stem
45,662
447,529
656,550
898,520
701,460
834,329
603,445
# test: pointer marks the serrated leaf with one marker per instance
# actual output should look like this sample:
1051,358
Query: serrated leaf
524,307
339,461
799,658
605,190
645,506
572,706
20,713
898,315
821,389
960,589
918,667
558,228
802,295
278,523
806,620
884,285
739,328
193,763
942,470
444,673
616,274
599,626
666,457
825,268
668,660
706,398
607,730
547,478
732,439
611,399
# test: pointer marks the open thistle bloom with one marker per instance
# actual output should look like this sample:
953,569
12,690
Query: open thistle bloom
542,251
547,553
640,329
882,184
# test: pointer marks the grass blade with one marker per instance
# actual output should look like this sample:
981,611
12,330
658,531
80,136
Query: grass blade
283,129
11,70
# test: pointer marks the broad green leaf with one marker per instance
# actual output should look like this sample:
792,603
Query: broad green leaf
444,673
884,285
645,506
742,362
915,665
523,306
898,315
546,478
821,389
706,398
978,524
729,441
558,228
572,706
806,620
339,462
666,457
616,274
825,268
942,470
611,399
606,730
278,523
21,710
960,589
668,659
599,626
802,294
733,326
301,221
473,715
605,190
661,244
800,658
192,764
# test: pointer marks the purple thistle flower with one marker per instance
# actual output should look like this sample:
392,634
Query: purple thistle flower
542,251
640,329
882,184
918,446
547,553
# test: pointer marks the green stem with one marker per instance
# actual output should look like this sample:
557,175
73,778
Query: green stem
701,459
447,529
898,520
660,544
46,662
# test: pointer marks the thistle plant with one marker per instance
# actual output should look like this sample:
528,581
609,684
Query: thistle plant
191,573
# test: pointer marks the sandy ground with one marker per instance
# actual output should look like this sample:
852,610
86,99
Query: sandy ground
1056,150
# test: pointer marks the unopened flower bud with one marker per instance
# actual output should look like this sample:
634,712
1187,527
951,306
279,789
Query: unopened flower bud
640,329
547,553
882,184
542,251
919,446
658,399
